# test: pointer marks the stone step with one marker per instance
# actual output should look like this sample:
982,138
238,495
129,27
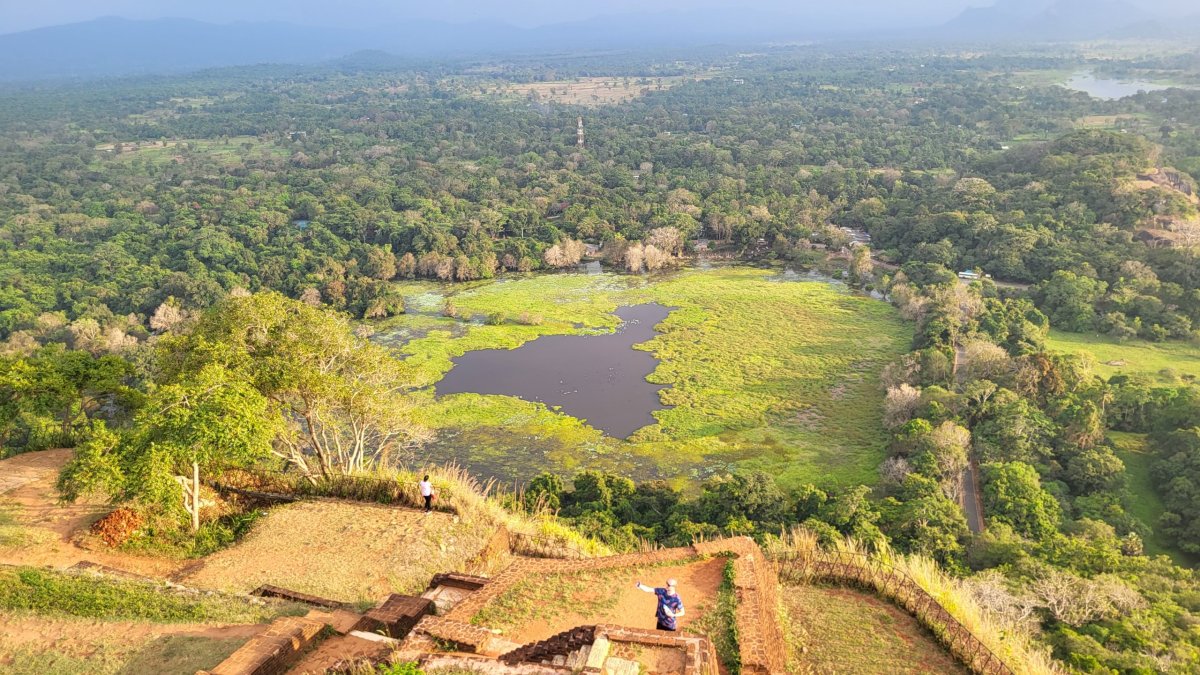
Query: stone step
577,659
616,666
598,653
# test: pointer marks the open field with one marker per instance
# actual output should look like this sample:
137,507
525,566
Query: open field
836,630
36,645
67,623
762,374
1133,356
589,91
1145,504
1112,121
538,608
309,547
230,151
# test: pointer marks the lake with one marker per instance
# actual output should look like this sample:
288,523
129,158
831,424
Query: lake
1108,89
598,378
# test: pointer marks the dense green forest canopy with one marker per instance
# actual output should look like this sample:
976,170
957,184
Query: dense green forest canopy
214,238
333,181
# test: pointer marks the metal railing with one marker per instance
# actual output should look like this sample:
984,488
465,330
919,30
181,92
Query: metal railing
897,586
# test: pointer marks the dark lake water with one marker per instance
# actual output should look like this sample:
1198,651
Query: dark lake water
598,378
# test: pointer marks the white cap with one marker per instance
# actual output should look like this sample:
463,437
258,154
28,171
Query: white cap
671,583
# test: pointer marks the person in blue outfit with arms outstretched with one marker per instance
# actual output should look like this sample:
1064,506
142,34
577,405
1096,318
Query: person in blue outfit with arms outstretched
670,606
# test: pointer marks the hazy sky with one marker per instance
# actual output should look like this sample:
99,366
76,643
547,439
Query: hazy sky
23,14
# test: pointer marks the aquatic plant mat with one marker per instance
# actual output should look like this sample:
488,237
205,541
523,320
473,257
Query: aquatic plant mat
761,372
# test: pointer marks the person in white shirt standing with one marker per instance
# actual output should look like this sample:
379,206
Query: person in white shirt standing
427,493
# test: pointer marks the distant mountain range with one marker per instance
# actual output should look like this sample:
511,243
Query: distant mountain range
1065,20
114,46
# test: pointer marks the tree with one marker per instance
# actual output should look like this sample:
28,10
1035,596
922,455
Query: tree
566,253
943,455
342,399
861,265
211,419
1013,494
900,405
380,263
167,317
1069,300
669,240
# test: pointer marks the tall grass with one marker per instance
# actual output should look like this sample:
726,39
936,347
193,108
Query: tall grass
456,491
1012,643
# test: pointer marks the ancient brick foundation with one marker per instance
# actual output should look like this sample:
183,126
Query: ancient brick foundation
424,635
396,616
269,591
698,655
760,637
275,650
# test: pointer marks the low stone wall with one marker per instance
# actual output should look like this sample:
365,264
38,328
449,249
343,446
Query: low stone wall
556,645
468,582
269,591
760,637
699,656
464,636
896,586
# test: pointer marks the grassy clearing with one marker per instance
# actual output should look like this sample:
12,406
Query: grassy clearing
587,91
763,374
37,662
1010,641
34,645
540,606
1145,504
843,631
49,593
305,547
181,655
231,151
1177,359
14,536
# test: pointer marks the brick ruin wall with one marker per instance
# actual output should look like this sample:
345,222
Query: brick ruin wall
762,644
761,640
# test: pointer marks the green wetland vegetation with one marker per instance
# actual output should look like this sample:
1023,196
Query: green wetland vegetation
761,373
274,267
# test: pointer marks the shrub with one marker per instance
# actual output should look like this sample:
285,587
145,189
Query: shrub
117,527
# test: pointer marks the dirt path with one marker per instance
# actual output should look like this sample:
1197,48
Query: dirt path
968,488
53,530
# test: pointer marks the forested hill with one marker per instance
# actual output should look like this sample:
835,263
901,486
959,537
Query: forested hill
332,181
1075,214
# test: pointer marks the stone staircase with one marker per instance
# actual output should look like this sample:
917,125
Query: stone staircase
555,647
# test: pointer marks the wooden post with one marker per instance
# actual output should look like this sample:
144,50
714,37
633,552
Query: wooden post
195,496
